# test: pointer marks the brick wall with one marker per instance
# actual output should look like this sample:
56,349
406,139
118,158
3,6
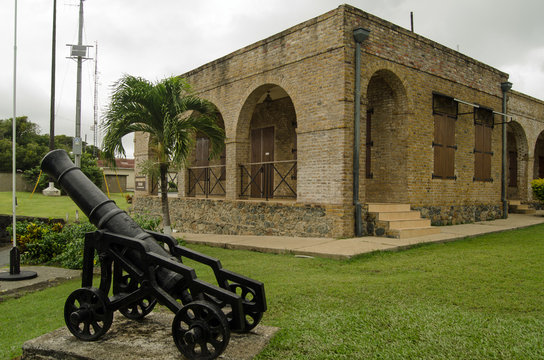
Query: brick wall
312,66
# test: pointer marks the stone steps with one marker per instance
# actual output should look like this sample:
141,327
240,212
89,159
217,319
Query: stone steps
400,222
516,207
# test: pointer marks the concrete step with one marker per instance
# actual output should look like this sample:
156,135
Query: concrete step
521,210
410,233
516,207
386,207
399,215
409,224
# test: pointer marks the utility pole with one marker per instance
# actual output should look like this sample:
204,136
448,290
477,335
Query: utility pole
78,52
51,190
77,139
95,124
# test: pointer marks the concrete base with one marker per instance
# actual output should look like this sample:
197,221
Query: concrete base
51,191
127,339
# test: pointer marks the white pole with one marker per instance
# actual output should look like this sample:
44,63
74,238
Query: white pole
14,128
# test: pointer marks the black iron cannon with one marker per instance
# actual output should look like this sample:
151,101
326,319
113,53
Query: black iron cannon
143,268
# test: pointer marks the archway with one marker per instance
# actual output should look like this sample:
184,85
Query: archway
538,166
267,127
516,161
384,148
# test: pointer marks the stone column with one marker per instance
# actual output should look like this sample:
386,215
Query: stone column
237,153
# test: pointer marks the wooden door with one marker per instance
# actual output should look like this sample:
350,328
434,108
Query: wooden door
262,154
202,159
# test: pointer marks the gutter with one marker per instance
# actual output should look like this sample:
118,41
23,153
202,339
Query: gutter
359,35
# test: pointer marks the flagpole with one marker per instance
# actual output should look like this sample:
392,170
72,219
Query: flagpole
15,272
14,129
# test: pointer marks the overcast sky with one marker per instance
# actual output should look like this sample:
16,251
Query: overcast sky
155,39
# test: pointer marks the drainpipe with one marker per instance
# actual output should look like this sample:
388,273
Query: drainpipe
505,86
359,35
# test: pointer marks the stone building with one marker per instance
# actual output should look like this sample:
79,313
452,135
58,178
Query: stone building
431,124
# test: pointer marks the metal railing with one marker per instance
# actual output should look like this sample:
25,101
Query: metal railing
206,180
269,179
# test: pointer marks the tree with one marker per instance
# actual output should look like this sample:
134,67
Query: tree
30,145
170,113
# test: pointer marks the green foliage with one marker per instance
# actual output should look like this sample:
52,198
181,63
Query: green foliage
170,113
31,147
538,188
38,242
42,243
73,236
147,222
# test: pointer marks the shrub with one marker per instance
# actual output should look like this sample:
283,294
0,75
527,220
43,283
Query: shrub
38,242
74,239
42,243
538,188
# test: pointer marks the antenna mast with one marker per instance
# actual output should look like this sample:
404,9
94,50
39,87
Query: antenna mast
95,125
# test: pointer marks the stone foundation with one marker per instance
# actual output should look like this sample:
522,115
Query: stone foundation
459,214
238,217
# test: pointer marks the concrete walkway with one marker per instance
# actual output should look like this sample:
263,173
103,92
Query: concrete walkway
346,248
301,246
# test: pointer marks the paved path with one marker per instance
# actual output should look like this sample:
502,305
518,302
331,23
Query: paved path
346,248
4,255
320,247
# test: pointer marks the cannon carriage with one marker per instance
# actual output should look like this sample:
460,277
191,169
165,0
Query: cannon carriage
142,268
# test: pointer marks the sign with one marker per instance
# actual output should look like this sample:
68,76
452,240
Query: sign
140,183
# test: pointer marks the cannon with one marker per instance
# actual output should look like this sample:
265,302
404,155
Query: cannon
143,268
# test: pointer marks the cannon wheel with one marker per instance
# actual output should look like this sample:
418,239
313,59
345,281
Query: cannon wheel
138,309
252,318
87,314
200,330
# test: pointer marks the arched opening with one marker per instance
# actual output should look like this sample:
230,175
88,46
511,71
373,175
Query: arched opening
538,167
206,176
267,126
384,148
516,161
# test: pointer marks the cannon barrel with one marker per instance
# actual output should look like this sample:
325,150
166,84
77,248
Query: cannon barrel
101,211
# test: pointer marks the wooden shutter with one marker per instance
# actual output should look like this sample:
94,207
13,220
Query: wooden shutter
444,147
483,131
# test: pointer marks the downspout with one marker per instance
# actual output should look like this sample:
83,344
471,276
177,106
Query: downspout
359,35
505,86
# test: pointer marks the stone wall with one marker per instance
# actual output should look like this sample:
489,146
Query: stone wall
218,216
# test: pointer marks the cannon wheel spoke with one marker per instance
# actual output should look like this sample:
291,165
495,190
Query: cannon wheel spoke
200,330
138,309
252,318
87,314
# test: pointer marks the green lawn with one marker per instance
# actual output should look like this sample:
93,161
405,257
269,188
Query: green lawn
47,206
479,298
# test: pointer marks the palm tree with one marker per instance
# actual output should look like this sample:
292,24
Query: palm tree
169,112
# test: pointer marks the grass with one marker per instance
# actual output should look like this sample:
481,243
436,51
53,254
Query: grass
479,298
47,206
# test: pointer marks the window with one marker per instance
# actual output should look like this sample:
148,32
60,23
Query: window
483,129
445,114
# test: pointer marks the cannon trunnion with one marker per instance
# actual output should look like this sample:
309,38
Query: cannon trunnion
143,268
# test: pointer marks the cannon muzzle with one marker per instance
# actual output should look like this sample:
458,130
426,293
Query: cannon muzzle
101,211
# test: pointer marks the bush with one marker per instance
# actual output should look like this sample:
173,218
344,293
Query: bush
538,188
38,242
74,238
41,243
